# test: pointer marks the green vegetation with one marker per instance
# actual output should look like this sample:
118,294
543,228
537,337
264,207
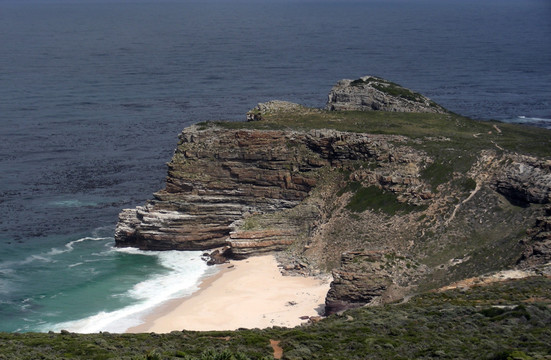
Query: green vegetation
450,137
376,199
452,325
360,82
372,79
392,89
251,223
499,321
353,186
467,184
437,173
398,91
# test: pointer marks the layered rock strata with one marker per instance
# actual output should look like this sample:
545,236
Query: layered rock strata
370,93
217,177
214,178
221,181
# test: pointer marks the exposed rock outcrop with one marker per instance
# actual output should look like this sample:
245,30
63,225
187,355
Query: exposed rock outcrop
370,277
273,106
251,190
370,93
538,242
525,180
215,177
218,256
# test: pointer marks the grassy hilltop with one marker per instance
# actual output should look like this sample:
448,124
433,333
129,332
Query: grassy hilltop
466,135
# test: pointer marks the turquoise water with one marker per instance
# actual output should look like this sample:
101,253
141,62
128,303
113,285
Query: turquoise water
87,285
94,93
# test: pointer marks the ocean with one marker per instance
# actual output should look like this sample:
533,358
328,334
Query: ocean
93,95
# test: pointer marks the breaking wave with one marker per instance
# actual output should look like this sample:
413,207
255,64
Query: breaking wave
184,273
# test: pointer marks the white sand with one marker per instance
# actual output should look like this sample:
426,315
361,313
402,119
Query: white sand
250,293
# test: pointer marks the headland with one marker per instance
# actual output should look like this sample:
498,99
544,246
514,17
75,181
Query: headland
436,230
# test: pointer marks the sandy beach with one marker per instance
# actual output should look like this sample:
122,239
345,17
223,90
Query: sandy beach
250,293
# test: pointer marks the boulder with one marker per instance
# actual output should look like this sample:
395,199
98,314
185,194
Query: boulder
219,256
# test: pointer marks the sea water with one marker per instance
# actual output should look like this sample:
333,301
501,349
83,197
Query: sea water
94,93
96,286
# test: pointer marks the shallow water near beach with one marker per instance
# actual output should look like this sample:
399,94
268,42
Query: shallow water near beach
86,285
93,95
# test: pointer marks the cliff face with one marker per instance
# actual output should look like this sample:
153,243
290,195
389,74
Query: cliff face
218,177
215,178
371,277
389,214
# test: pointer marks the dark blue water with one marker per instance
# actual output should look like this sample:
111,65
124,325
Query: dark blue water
94,93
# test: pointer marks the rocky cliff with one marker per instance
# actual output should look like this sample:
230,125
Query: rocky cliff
215,178
219,177
392,203
373,93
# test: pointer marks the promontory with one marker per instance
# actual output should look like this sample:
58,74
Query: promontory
436,229
385,188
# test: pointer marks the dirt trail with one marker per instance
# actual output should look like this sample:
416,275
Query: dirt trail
278,350
463,202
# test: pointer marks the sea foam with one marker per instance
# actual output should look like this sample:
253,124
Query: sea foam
185,269
533,121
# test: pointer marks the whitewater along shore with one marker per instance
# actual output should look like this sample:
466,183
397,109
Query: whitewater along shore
249,293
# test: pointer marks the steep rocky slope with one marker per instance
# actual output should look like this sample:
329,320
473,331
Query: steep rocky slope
392,203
